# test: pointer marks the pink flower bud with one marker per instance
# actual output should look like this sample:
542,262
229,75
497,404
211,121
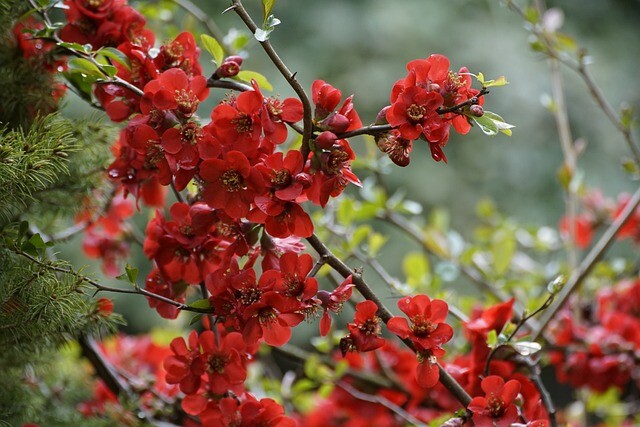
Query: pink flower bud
336,123
476,110
326,140
381,118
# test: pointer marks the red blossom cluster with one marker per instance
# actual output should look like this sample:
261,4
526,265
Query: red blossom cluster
419,104
601,346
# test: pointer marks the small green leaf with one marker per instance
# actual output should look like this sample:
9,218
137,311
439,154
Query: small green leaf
115,55
375,243
212,46
75,46
202,303
132,273
503,248
486,125
110,70
267,7
500,81
195,319
499,122
492,338
37,242
261,80
415,266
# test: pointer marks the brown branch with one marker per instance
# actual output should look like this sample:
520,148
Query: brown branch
344,270
288,75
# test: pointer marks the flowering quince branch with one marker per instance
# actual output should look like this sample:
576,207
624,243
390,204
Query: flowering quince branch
288,75
345,271
587,264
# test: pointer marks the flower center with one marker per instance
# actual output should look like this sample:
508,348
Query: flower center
274,106
415,113
371,327
190,133
336,161
231,180
281,178
243,123
95,3
267,315
421,327
216,363
187,102
187,230
174,50
495,405
249,296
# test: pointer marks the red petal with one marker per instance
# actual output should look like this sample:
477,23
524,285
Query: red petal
427,374
399,326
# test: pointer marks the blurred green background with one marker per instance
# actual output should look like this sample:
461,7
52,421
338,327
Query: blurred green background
362,46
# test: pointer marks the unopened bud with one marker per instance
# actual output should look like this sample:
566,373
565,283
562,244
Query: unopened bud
336,123
234,58
476,110
303,179
228,69
326,140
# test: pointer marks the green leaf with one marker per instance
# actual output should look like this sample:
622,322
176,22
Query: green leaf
76,46
499,122
503,247
84,66
415,266
261,80
492,338
202,303
22,231
110,70
115,55
486,125
212,46
375,243
132,273
195,319
500,81
267,7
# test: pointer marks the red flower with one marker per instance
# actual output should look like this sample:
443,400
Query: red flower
292,280
364,332
238,123
185,367
174,90
176,291
496,409
333,301
326,99
104,307
583,229
232,183
182,53
631,228
414,113
428,330
272,318
223,363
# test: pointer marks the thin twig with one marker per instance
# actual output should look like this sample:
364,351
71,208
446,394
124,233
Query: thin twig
103,288
288,75
206,22
380,401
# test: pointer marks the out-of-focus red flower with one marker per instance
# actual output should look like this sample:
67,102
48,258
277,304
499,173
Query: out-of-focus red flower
583,229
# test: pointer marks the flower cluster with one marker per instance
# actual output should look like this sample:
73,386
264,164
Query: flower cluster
424,105
601,346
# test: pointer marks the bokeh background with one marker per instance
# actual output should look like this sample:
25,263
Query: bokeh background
362,46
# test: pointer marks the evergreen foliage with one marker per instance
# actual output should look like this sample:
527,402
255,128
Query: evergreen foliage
32,161
22,97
